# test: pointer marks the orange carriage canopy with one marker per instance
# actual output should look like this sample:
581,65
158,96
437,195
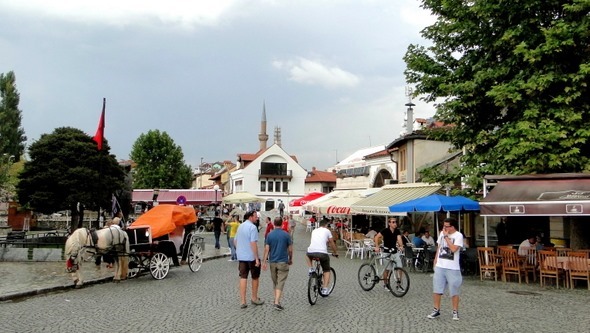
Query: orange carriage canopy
163,219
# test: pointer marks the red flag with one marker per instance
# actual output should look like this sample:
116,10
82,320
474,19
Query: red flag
99,136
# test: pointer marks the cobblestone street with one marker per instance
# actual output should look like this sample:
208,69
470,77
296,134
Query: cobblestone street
207,301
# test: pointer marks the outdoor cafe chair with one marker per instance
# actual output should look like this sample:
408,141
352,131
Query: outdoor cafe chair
578,268
562,251
489,264
548,266
530,263
512,264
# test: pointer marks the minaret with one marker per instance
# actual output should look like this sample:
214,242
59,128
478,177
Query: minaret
263,137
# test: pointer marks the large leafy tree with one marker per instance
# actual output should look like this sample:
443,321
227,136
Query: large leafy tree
65,169
512,77
12,135
160,162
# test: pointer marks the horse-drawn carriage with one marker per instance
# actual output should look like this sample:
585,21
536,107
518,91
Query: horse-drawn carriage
160,236
152,243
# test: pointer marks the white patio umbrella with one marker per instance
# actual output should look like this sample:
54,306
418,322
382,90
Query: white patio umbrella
242,197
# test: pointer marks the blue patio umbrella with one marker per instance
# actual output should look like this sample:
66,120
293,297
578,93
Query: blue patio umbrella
436,203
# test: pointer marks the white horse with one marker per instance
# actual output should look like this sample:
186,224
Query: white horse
83,242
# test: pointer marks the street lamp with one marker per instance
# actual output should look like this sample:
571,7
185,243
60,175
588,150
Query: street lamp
216,188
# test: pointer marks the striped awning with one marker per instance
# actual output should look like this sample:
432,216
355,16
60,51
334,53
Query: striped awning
378,203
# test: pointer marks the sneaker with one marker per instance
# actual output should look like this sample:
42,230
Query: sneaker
311,270
243,306
435,314
230,260
325,291
278,307
257,302
455,315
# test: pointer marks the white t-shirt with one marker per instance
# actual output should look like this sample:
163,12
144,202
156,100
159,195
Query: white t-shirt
319,240
446,258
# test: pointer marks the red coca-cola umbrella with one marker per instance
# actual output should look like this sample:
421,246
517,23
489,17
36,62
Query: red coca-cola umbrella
307,198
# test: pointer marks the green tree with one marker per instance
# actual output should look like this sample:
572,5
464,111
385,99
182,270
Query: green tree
512,77
12,135
160,162
65,169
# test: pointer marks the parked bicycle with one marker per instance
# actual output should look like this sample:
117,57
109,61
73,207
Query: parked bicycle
370,274
315,282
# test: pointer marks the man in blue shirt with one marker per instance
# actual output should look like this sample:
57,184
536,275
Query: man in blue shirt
279,252
417,240
249,262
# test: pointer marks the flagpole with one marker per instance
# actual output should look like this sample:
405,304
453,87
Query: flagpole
99,138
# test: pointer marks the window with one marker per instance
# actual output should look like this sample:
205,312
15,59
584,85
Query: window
285,186
270,186
278,169
278,186
262,186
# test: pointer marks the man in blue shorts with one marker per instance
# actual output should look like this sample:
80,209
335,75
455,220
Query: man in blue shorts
318,248
447,271
249,262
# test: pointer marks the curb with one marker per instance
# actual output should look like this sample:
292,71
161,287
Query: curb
45,290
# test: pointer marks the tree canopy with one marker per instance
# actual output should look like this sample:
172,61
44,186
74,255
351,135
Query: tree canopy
512,78
160,162
65,168
12,135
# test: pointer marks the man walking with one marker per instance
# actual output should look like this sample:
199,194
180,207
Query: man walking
217,226
249,262
292,225
279,252
447,271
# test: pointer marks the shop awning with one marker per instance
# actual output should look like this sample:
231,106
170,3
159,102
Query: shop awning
193,197
538,197
142,195
378,203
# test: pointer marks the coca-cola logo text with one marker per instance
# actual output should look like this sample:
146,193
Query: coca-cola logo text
338,210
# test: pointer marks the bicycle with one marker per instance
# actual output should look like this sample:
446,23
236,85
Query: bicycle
315,282
369,274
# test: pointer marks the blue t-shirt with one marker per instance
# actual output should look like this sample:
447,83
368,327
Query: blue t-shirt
246,234
418,241
278,240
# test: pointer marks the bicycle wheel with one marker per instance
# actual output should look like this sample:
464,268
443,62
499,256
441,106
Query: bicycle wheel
313,288
331,284
401,282
367,277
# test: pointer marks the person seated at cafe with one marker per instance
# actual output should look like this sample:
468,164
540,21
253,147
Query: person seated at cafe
529,243
406,237
371,234
427,238
417,240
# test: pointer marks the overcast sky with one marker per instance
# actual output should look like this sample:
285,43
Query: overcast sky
329,71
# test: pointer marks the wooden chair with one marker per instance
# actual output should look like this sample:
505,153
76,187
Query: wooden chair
562,251
548,267
578,267
500,248
530,264
512,264
488,263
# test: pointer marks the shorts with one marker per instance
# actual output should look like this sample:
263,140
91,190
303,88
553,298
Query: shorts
246,267
443,277
324,259
278,273
397,259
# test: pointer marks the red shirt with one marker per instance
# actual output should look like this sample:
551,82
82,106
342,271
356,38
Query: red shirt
285,225
269,228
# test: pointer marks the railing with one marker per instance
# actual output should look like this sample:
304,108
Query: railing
276,174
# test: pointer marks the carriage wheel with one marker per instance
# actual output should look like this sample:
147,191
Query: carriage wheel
134,266
195,257
159,266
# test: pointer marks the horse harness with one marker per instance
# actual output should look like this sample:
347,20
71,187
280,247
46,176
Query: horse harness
92,239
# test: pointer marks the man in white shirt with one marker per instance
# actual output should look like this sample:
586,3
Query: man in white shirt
447,270
529,243
318,248
427,238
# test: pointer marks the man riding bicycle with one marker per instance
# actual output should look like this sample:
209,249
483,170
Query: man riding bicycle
318,248
392,239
